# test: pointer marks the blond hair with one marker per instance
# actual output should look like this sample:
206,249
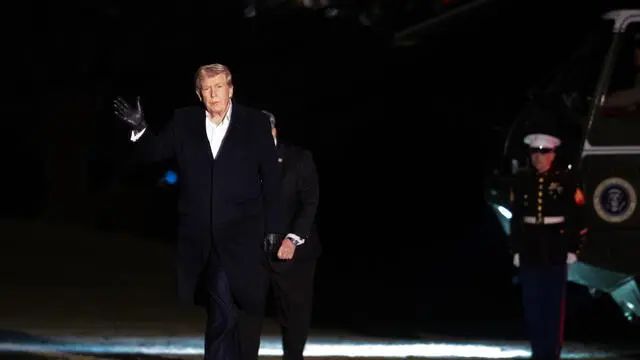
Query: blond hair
211,70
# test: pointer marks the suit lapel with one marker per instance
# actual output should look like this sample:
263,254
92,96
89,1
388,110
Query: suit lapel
230,137
201,133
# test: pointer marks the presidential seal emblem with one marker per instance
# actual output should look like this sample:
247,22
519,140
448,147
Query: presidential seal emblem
614,200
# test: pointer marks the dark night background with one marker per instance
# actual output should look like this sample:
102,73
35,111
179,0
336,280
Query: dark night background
403,138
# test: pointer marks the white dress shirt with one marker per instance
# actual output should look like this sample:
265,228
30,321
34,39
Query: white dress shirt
215,133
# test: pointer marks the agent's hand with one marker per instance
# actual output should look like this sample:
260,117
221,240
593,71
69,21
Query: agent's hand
571,258
134,117
287,250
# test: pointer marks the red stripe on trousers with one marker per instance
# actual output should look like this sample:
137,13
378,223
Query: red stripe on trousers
562,314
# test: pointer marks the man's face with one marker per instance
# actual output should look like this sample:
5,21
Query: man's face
542,159
216,94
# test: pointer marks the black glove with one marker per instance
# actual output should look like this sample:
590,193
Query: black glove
134,117
272,243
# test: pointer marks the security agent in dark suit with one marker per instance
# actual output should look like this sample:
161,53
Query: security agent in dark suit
229,206
292,271
546,235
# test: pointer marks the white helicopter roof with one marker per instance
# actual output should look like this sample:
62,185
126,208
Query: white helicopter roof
622,18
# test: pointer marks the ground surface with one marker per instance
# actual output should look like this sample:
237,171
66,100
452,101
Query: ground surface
71,293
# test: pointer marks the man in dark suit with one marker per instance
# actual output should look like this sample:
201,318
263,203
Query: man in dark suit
230,207
292,271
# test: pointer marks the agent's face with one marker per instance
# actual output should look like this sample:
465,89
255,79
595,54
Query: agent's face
542,159
216,94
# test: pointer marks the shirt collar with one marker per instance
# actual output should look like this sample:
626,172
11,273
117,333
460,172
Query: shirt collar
225,120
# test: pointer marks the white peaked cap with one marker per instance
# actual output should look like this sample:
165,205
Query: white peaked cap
542,141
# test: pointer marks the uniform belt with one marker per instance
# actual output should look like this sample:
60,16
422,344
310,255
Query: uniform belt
547,220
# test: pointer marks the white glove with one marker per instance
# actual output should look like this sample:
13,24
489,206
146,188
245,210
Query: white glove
571,258
516,260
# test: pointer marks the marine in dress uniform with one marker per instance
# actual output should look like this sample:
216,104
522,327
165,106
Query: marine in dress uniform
546,235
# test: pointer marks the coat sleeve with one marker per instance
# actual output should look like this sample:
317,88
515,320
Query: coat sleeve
576,229
308,194
515,233
156,146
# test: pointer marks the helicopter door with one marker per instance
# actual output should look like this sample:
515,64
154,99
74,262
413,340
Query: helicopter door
611,161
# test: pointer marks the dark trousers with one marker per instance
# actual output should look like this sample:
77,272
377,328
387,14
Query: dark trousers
231,334
543,295
293,293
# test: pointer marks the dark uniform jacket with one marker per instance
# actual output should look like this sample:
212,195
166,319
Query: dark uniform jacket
547,216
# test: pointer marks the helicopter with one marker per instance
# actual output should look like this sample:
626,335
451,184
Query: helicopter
600,88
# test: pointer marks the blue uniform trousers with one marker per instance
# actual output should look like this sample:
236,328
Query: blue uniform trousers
543,295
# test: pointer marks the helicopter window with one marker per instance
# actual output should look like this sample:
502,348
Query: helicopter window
618,119
623,93
575,80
